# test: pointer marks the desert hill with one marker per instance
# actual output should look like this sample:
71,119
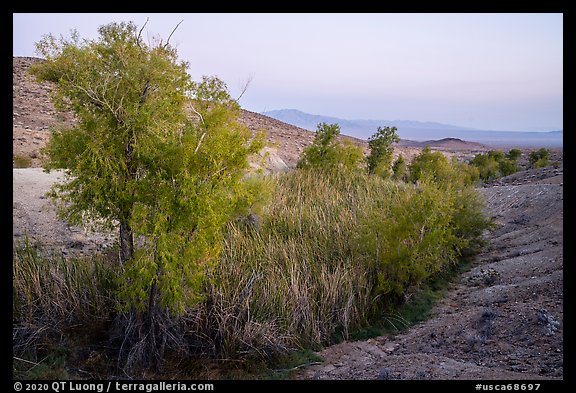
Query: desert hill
33,115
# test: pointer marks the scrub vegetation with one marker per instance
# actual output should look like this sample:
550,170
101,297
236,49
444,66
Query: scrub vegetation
214,262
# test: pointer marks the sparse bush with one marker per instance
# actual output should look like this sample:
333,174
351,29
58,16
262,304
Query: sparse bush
21,161
539,158
407,239
514,154
435,165
495,163
423,229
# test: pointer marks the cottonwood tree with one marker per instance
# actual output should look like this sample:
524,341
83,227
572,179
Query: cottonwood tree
153,152
327,152
381,150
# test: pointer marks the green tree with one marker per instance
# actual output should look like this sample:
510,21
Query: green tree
514,154
327,152
380,144
136,158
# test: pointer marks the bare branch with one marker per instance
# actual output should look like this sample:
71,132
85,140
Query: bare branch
140,32
170,36
199,142
199,115
246,85
204,124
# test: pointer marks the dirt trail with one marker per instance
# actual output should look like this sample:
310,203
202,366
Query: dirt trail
503,319
34,217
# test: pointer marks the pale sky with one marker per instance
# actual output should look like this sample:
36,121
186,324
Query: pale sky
485,71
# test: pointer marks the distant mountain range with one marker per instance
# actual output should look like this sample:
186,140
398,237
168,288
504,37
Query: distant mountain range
421,131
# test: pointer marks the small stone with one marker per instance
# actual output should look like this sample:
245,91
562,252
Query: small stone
385,374
329,368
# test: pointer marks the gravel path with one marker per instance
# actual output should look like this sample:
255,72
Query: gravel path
34,217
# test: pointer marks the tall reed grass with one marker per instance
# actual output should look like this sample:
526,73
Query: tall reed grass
52,294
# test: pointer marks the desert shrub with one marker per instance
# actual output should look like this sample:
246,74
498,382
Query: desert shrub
539,158
514,154
399,169
487,166
495,163
469,174
418,232
435,165
331,252
408,238
327,152
21,161
429,163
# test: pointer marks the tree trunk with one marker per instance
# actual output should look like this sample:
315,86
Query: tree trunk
126,242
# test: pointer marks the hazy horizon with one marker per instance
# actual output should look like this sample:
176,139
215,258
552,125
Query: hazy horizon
483,71
401,120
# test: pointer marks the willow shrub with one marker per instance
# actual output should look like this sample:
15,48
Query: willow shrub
333,249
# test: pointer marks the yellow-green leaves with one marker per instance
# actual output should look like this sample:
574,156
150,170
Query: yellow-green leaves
171,177
327,152
380,157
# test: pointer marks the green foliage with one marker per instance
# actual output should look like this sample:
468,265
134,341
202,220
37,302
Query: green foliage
327,152
495,163
468,174
539,158
380,144
409,238
128,98
327,245
514,154
136,158
421,230
436,166
400,169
